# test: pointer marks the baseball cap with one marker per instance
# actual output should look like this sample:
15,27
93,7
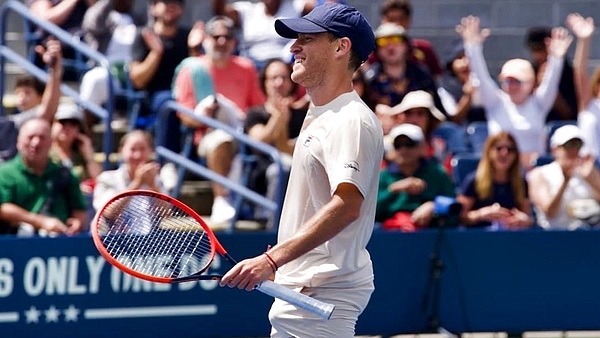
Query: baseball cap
565,134
413,132
389,29
68,111
339,19
417,99
519,69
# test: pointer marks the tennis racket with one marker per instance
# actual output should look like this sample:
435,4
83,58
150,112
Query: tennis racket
158,238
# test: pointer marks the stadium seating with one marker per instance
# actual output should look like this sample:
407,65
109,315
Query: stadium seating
477,133
463,165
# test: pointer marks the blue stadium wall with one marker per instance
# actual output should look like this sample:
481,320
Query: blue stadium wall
491,281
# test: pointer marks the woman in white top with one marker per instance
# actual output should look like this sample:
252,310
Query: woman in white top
515,106
136,172
588,91
559,189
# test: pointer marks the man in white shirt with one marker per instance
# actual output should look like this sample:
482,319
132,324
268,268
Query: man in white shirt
329,210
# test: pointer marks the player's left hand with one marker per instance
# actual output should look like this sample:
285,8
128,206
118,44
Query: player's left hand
248,273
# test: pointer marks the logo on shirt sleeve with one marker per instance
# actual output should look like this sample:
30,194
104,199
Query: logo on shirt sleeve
307,141
352,165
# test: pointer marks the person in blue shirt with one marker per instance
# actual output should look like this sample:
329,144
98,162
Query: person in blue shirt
496,192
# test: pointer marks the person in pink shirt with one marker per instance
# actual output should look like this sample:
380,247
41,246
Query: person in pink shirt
234,79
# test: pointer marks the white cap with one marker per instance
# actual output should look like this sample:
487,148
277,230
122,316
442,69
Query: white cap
411,131
565,134
389,29
415,99
67,111
519,69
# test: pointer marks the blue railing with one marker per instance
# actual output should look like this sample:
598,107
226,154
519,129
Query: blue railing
182,162
7,53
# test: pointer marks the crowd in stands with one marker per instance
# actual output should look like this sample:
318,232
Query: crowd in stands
515,150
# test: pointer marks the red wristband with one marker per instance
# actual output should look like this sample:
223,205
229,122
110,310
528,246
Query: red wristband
272,262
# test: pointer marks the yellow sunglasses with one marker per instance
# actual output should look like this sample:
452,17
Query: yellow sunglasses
388,40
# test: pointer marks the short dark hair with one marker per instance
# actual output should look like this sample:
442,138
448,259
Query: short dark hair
403,5
262,76
31,82
536,36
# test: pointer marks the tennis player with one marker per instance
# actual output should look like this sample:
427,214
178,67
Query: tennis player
329,209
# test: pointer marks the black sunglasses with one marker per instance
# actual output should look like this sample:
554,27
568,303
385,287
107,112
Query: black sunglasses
399,143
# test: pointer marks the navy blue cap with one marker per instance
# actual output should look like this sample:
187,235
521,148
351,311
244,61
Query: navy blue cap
339,19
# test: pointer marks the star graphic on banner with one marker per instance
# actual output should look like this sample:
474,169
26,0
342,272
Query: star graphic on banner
32,315
71,313
52,314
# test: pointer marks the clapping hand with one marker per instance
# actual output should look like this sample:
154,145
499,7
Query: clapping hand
152,41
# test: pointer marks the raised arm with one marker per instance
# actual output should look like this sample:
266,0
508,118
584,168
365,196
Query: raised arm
583,29
52,56
557,47
473,37
57,14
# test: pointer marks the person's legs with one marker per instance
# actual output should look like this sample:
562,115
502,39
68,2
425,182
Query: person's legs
289,321
168,129
94,88
219,150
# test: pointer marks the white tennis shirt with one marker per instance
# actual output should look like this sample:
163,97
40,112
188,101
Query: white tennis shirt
342,144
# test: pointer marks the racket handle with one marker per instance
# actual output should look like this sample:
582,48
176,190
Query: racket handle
302,301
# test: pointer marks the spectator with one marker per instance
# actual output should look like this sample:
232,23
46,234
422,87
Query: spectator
458,87
410,182
137,170
416,108
235,78
587,91
496,193
277,123
110,28
72,147
565,105
517,107
566,192
258,40
394,75
216,145
34,99
156,53
66,14
37,194
421,51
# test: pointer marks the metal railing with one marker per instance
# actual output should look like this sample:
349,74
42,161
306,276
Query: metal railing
7,53
183,162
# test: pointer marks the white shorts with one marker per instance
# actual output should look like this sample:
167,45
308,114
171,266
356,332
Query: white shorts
211,140
288,321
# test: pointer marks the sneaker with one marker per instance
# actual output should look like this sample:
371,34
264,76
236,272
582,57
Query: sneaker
168,176
222,211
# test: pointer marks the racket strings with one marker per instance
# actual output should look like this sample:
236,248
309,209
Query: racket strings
154,237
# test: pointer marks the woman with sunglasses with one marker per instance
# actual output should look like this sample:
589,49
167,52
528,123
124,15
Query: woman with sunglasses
496,193
516,106
395,73
566,192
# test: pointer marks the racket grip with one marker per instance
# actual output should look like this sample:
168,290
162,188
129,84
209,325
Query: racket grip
302,301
